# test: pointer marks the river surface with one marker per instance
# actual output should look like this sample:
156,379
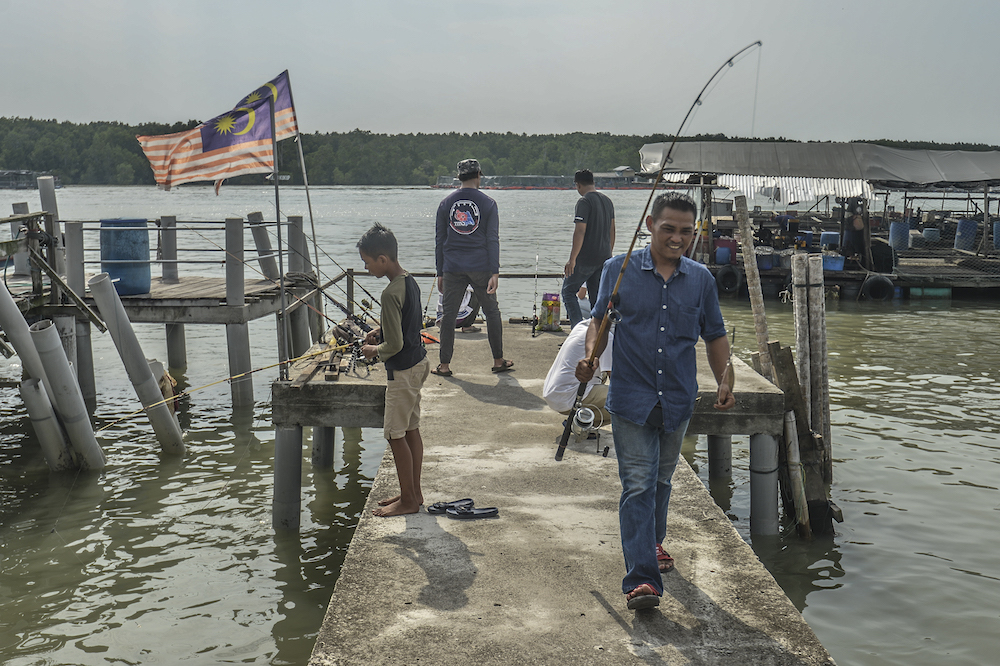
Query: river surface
161,561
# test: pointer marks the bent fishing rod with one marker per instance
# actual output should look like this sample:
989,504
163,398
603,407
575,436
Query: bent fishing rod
613,299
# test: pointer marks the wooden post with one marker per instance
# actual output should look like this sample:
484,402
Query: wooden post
753,282
298,262
819,371
795,475
800,305
810,457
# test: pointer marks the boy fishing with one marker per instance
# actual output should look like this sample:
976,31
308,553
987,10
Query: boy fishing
397,344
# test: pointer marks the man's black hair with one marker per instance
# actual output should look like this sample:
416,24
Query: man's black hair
584,177
469,176
675,201
379,240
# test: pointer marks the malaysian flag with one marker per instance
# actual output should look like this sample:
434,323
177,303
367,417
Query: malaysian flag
232,144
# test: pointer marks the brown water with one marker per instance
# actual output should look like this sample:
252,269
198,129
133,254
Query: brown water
160,560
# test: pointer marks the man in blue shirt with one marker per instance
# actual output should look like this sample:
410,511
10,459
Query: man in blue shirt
467,252
666,302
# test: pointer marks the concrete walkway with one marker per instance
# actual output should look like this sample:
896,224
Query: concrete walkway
541,583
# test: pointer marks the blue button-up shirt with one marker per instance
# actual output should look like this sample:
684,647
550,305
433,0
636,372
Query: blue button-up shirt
654,343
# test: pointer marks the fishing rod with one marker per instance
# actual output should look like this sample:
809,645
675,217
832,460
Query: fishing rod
182,394
614,298
534,302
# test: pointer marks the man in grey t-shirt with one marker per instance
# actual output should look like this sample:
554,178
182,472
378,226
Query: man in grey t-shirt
593,244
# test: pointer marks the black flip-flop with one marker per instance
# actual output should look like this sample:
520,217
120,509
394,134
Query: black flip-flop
507,366
468,512
441,507
441,373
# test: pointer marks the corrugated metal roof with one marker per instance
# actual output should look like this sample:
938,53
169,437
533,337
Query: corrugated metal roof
829,167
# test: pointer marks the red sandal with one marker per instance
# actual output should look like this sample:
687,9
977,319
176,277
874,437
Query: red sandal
643,596
663,558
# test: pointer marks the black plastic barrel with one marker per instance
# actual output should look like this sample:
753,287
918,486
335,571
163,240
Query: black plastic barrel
125,255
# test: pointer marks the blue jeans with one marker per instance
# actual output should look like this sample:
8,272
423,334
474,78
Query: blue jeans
581,273
647,457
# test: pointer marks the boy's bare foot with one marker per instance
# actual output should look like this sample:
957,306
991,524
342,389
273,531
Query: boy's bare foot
387,502
396,509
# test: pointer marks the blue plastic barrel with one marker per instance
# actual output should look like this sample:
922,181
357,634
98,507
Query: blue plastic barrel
126,241
829,239
899,236
932,235
965,236
996,235
722,255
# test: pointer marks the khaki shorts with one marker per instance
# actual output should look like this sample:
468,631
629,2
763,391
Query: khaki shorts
402,399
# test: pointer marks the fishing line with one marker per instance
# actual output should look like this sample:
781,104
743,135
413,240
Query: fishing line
274,282
335,263
188,392
613,299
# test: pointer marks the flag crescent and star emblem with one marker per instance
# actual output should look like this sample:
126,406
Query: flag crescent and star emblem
464,216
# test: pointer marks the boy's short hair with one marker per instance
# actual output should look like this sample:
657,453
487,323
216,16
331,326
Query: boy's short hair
676,201
379,240
584,177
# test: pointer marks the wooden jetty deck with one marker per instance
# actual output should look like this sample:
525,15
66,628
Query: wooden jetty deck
541,583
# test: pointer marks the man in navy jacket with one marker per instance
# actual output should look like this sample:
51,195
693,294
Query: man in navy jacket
467,252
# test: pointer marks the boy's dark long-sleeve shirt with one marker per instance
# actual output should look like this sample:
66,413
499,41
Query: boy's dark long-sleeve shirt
401,346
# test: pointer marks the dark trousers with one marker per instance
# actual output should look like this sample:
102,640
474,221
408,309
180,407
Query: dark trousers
454,286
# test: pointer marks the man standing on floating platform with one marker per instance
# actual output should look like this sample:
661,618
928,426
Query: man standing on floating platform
667,301
593,243
467,252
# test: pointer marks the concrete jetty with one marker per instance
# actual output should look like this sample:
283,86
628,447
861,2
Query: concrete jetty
541,583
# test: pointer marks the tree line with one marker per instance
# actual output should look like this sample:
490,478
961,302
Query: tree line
107,153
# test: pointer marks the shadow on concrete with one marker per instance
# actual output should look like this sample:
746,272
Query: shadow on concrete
687,623
444,558
506,392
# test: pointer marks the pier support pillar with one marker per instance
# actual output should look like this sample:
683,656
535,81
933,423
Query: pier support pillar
238,340
720,456
21,266
265,253
176,347
763,484
76,280
323,446
286,505
47,195
237,335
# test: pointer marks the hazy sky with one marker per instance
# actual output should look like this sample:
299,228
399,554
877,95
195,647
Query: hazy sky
861,69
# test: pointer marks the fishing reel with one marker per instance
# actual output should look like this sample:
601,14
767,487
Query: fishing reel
583,426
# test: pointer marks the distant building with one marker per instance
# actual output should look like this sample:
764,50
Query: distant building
22,179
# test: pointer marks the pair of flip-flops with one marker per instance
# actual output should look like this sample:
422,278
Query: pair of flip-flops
462,508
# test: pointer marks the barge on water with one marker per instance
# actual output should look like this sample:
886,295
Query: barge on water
941,244
620,178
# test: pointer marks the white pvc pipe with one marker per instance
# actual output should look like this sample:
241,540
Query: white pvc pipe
13,324
763,484
47,195
57,452
167,430
69,405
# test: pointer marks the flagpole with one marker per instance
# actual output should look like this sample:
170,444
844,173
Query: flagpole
305,182
283,338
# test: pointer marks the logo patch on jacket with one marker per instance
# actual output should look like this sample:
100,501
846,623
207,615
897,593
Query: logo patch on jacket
464,216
